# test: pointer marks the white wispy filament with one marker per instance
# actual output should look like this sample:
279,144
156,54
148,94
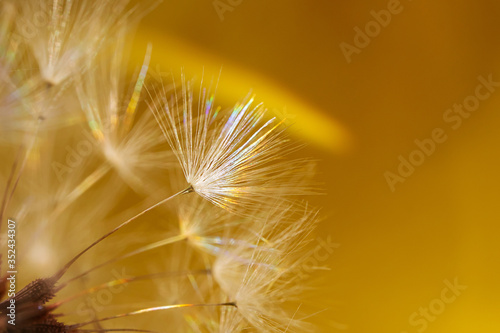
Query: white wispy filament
233,159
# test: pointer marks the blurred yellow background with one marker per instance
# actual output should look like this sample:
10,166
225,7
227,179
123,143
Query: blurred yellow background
400,245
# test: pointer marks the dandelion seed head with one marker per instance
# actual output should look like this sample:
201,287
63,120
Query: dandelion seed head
230,266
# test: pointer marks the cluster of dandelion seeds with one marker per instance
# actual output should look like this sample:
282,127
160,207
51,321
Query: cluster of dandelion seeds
140,206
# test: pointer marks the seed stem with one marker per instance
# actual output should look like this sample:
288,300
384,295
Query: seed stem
147,310
164,242
59,274
118,282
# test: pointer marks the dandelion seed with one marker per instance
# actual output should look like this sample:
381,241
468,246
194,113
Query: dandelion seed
234,159
260,280
68,34
130,142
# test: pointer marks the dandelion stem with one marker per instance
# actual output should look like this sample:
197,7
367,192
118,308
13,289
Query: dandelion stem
59,274
123,281
147,310
158,244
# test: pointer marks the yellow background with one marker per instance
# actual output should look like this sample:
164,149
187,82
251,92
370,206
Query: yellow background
396,248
